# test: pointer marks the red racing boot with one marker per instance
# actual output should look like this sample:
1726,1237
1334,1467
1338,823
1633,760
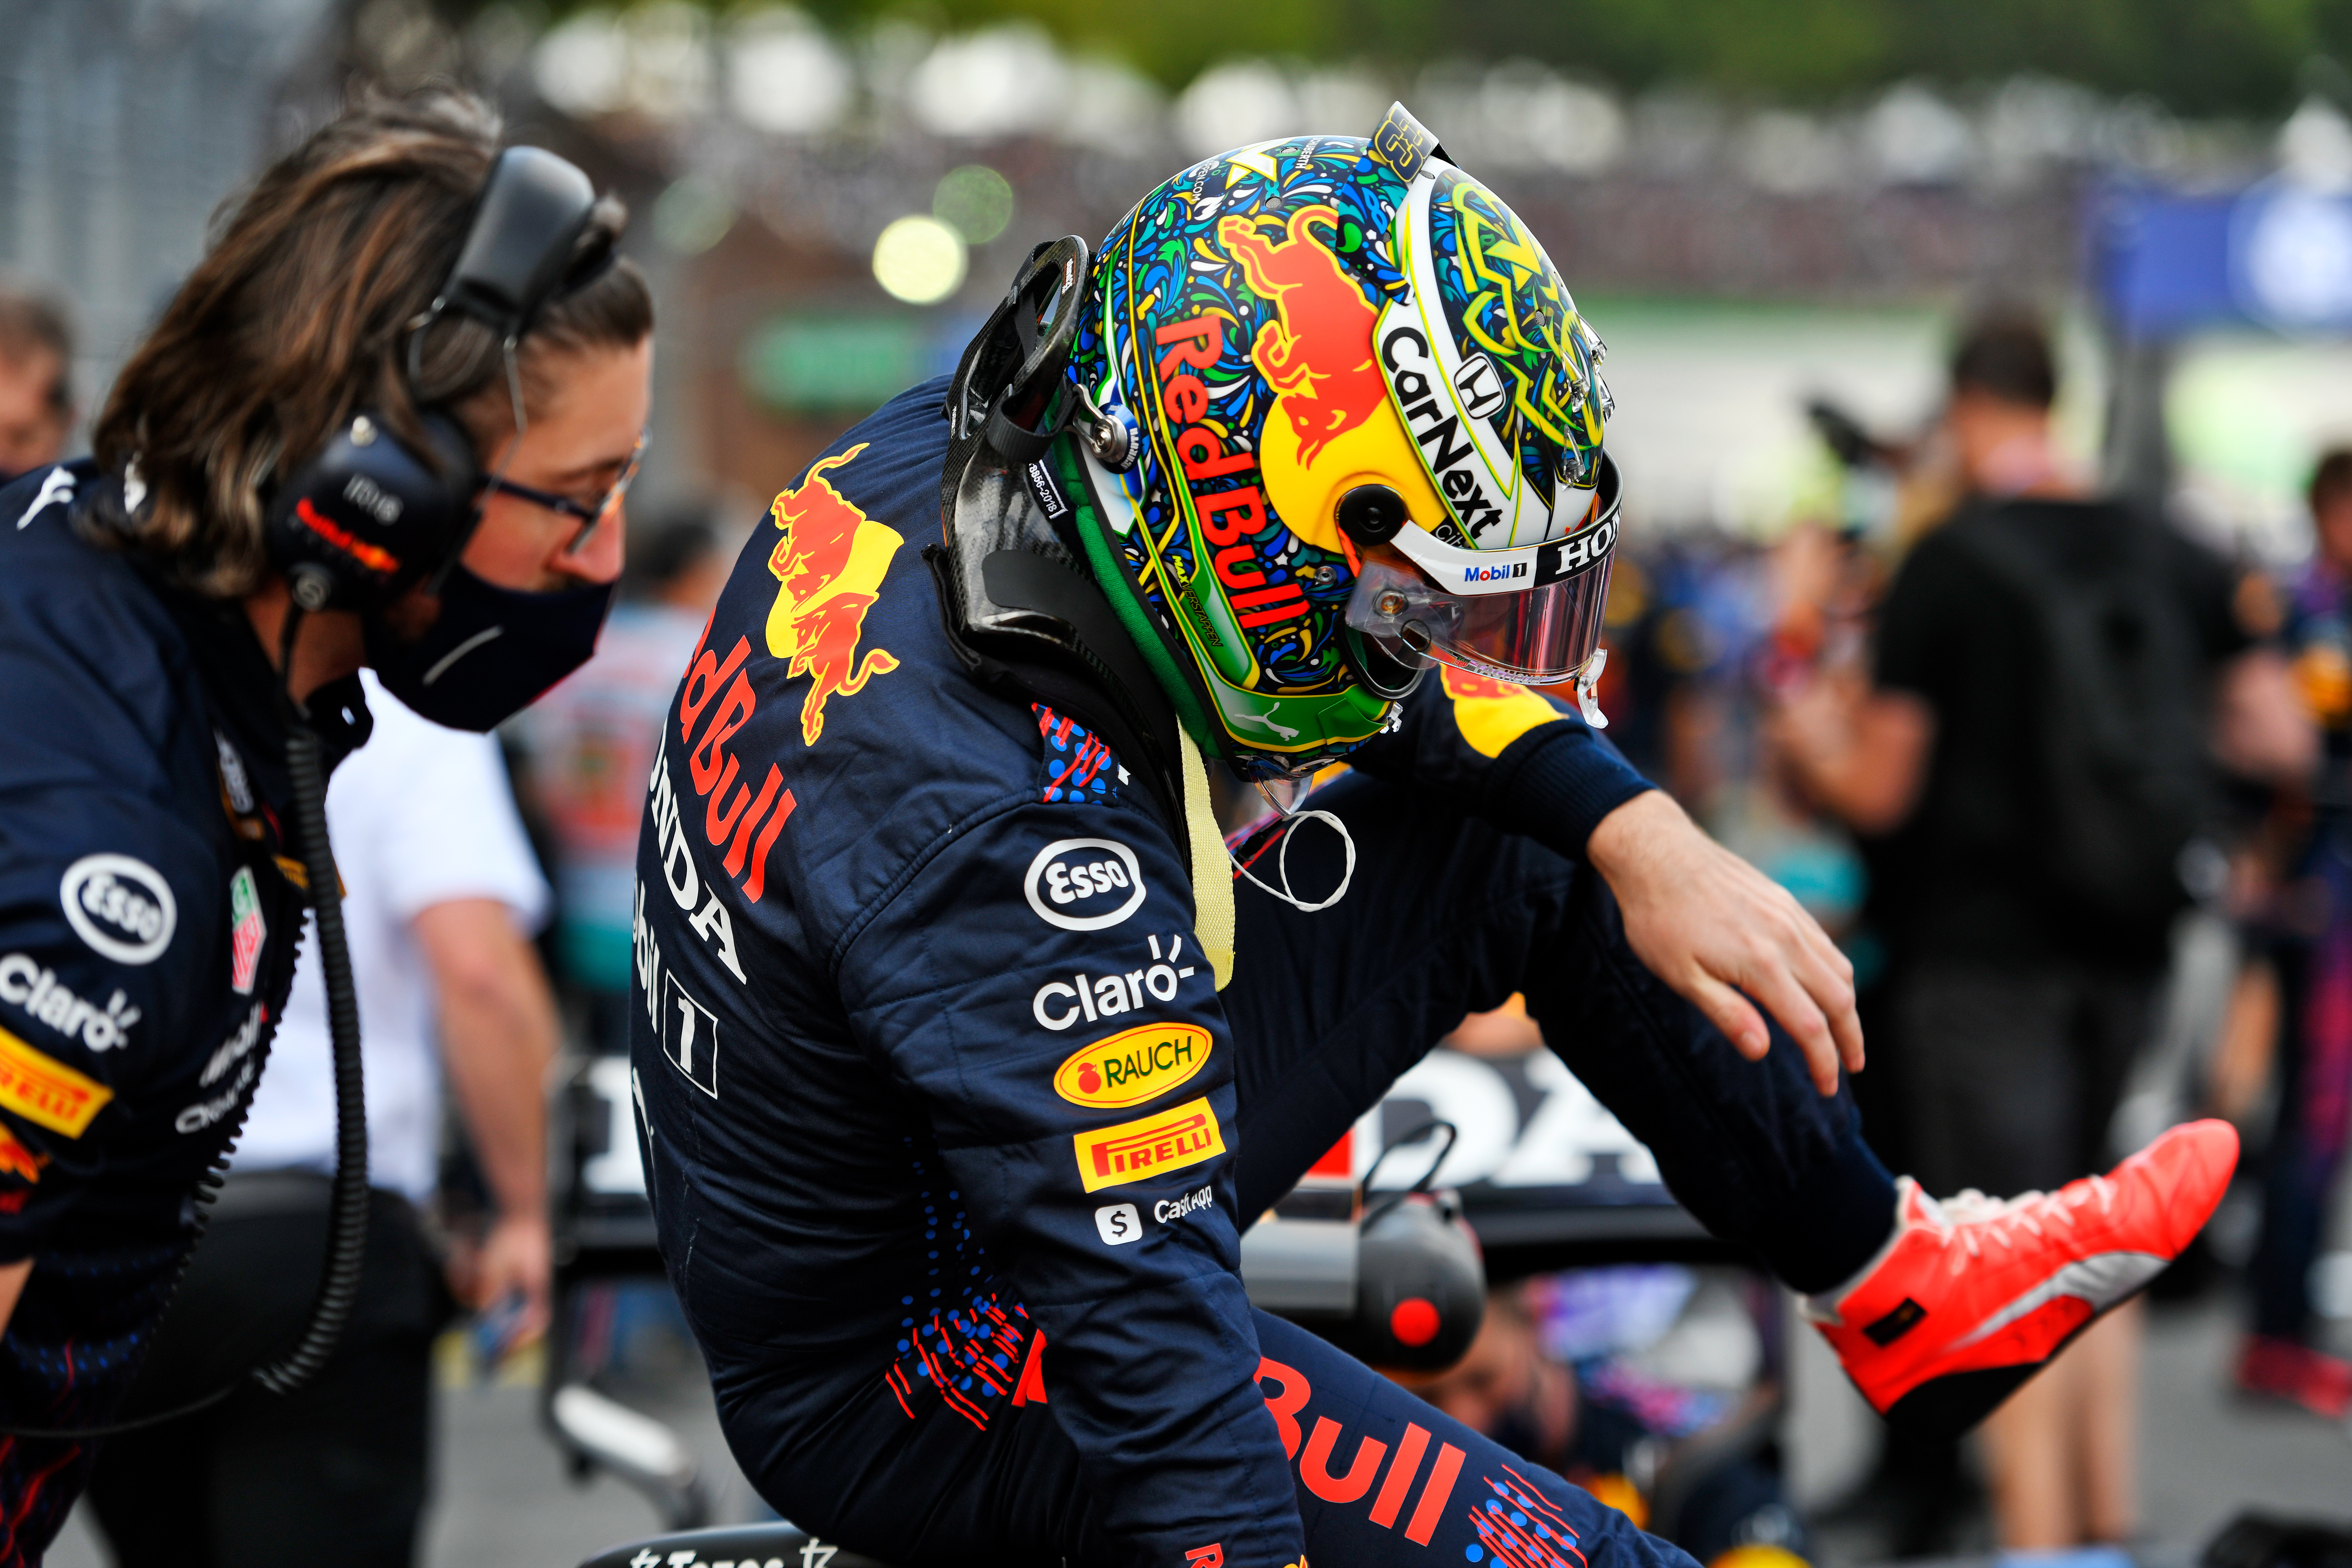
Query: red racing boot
1971,1297
2284,1369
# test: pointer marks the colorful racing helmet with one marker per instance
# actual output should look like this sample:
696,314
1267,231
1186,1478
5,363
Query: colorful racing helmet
1342,420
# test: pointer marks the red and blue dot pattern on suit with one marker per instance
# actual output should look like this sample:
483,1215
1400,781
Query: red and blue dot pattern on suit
1079,767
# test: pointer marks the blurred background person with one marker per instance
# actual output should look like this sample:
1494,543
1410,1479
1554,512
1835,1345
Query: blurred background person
37,402
2033,747
587,747
2298,979
1611,1428
441,894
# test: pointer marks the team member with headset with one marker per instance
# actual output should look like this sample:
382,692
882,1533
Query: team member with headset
386,422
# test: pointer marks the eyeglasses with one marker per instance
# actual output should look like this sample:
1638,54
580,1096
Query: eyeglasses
587,515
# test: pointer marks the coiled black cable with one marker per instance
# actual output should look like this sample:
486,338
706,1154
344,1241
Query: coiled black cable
338,1286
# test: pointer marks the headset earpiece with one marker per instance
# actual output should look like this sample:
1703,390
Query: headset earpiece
370,516
366,519
526,227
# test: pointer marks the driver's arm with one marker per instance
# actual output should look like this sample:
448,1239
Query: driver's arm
1524,761
1076,1169
1701,919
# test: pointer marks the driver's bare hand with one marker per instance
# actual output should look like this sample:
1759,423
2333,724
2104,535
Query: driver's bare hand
1712,926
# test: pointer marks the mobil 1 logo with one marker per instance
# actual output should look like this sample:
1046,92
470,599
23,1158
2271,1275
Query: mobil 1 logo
689,1037
1084,884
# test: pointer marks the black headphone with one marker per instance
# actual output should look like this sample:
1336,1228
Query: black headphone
367,518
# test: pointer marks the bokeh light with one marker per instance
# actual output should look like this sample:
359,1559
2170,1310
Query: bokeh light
691,216
920,259
975,201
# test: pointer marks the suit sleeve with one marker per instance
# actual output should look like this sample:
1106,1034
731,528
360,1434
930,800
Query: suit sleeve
1514,755
107,907
1036,986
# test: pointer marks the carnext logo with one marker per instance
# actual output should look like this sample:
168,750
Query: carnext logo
1494,573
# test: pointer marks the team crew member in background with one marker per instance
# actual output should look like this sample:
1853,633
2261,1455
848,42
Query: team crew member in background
334,360
587,745
2299,980
1609,1438
440,893
37,405
964,1056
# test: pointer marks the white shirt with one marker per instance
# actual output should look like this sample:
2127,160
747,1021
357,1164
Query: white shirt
420,816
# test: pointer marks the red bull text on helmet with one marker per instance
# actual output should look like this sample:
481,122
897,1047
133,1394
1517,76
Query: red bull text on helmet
1286,324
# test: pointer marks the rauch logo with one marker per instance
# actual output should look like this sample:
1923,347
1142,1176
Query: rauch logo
1133,1066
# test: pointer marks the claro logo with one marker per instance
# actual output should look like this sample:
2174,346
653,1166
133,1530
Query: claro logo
1133,1066
120,906
1084,884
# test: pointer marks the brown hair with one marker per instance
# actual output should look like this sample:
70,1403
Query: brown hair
32,324
299,315
2331,479
2005,354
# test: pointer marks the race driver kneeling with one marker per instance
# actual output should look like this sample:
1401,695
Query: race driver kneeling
965,1054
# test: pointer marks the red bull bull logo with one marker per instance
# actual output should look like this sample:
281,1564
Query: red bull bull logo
1317,351
17,1161
829,566
1490,713
1331,422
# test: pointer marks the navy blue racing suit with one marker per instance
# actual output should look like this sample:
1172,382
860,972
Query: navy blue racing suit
150,908
950,1133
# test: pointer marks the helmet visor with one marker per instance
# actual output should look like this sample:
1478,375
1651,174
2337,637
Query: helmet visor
1535,638
1531,636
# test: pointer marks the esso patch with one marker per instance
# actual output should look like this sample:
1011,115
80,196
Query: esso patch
122,908
1085,884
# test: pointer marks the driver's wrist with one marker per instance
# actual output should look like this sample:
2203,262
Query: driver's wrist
1558,783
1621,840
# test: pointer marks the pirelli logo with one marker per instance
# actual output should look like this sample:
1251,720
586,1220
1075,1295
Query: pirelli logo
50,1092
1182,1135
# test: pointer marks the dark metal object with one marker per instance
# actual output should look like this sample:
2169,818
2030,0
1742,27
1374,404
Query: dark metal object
604,1233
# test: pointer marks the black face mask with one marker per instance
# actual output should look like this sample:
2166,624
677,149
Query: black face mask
491,653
